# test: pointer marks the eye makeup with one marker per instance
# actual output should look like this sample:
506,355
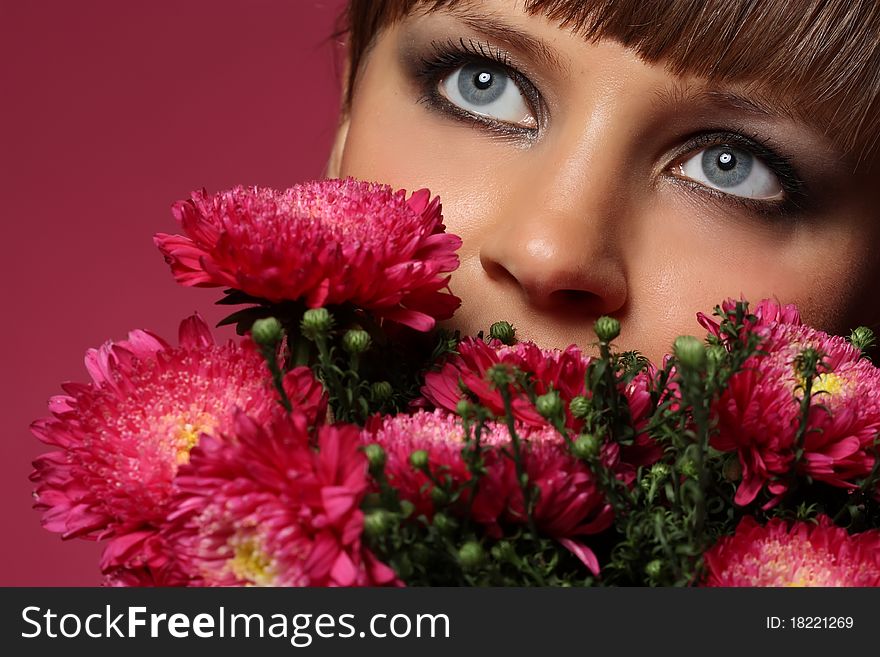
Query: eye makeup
444,57
429,66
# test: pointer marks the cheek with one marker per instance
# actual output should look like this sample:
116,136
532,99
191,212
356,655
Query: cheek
701,257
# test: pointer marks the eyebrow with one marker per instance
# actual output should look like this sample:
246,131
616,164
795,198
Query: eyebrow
495,28
677,92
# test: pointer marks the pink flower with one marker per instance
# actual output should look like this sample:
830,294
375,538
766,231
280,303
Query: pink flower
767,313
804,554
328,242
549,369
759,413
570,502
262,507
122,437
441,435
561,370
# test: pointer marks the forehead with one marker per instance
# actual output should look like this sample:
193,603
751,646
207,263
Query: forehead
816,59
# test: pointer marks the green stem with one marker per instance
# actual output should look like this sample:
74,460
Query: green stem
269,355
521,475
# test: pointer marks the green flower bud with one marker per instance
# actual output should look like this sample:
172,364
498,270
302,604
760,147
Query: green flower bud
406,508
580,407
689,469
356,341
439,496
419,459
549,405
691,353
464,408
862,338
503,551
500,375
654,568
586,446
716,354
316,322
606,328
381,390
375,456
660,470
443,523
471,555
267,331
503,331
376,523
806,363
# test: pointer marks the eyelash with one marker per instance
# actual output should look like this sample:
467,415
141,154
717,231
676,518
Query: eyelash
450,55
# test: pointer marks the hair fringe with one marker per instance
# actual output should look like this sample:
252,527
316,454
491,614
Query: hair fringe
817,58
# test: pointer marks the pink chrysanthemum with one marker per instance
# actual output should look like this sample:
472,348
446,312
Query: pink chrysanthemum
767,313
570,503
560,370
549,369
263,507
123,436
327,242
804,554
759,413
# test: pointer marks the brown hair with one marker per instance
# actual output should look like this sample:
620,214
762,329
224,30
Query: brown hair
820,58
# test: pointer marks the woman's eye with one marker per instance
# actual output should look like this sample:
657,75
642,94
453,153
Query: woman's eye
488,91
733,171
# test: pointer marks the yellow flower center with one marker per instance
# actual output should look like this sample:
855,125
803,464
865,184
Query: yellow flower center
187,434
250,563
828,383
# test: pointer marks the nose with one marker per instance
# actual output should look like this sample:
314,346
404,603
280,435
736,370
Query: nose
561,252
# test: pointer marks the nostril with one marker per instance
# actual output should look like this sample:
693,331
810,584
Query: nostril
497,272
571,297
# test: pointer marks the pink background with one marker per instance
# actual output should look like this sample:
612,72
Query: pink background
110,112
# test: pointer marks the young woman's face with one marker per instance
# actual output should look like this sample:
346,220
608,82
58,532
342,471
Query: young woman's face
586,182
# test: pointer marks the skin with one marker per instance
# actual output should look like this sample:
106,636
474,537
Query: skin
590,214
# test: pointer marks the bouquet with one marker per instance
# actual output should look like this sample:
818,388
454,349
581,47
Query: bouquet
346,440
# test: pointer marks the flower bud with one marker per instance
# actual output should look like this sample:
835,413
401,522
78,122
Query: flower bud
654,568
691,353
439,496
862,338
689,469
606,328
381,390
807,363
267,331
376,523
500,375
549,405
419,459
586,446
716,354
356,341
660,470
406,508
375,456
316,322
503,331
580,407
464,408
503,551
443,523
471,555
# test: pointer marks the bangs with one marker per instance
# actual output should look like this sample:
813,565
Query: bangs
814,58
